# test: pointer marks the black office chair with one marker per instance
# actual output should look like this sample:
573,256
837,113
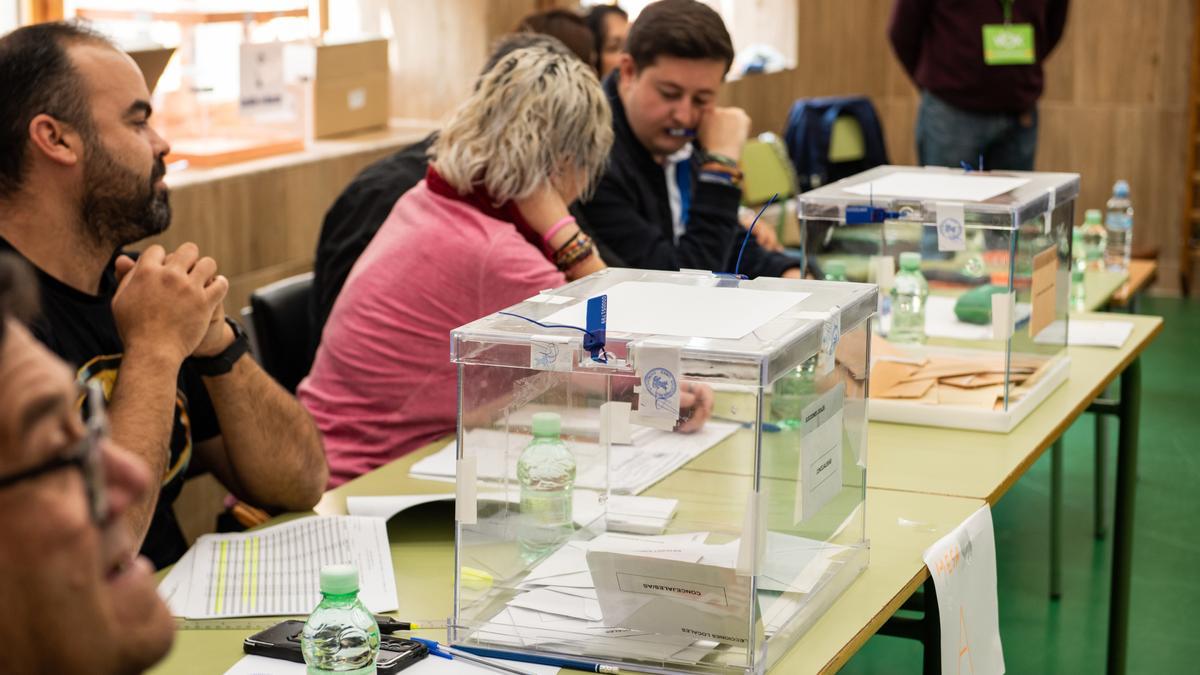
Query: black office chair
283,329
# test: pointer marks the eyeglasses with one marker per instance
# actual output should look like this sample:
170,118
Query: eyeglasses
84,455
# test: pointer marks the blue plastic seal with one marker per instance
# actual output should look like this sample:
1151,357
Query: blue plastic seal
597,322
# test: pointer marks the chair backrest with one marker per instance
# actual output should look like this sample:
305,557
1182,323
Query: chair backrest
833,137
283,328
767,171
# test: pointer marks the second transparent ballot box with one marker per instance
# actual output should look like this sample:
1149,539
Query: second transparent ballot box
661,470
980,339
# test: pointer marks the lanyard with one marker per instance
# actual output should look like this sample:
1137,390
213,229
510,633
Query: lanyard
1007,5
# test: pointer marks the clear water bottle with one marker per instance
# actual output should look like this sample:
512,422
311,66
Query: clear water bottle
1078,267
1094,239
835,270
341,635
909,292
1118,222
546,472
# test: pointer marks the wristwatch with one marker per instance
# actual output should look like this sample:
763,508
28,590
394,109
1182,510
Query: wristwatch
222,363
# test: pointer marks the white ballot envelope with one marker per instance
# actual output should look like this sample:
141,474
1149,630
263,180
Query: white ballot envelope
672,591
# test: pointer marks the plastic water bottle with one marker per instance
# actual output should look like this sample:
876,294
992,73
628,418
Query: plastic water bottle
835,270
546,472
1118,221
909,292
1078,267
792,393
341,635
1094,239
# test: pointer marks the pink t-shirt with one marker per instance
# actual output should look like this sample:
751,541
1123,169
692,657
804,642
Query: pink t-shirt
382,383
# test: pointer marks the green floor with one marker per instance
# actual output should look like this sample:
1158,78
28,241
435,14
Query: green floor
1069,635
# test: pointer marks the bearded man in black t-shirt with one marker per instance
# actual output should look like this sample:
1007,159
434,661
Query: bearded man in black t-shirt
81,177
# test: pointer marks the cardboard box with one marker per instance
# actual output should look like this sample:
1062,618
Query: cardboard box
350,91
152,62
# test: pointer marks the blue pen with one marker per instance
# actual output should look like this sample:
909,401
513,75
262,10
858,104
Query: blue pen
452,653
556,661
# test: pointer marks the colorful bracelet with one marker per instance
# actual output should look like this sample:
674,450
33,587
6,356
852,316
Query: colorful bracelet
573,253
717,167
720,178
566,220
720,159
567,243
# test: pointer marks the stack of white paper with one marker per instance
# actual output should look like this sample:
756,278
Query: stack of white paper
631,468
276,571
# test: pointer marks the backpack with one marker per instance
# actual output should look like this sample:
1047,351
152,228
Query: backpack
810,128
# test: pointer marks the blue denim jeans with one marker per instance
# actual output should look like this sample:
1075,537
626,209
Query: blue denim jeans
948,136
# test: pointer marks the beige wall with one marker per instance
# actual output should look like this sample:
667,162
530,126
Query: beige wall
1115,104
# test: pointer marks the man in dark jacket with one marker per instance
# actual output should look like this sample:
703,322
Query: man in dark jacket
669,198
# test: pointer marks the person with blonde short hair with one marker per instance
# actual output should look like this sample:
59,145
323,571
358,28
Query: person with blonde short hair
487,228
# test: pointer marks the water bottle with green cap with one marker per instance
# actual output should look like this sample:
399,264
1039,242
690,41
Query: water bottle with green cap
909,293
546,472
341,635
1094,239
835,270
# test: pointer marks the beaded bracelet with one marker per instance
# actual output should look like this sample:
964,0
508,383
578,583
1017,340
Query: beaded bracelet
580,248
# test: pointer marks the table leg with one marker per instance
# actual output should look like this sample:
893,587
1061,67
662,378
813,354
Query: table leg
1100,475
1056,479
1124,499
932,639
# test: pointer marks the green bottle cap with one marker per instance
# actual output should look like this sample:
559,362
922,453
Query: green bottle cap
1092,217
835,269
546,424
910,261
339,579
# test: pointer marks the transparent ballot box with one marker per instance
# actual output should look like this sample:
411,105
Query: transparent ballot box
677,488
980,340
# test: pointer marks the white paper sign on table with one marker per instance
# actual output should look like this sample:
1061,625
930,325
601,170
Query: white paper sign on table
650,308
963,567
261,78
949,186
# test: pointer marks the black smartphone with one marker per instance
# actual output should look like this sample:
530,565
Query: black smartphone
282,641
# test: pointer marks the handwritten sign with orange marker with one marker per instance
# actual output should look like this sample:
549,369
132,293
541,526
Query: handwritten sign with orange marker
963,567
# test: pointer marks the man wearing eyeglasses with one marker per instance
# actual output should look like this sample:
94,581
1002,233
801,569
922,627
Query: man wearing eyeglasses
69,568
80,178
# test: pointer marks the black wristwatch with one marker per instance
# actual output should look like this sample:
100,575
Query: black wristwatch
220,364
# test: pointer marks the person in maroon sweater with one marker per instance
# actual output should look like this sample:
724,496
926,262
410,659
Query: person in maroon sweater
972,106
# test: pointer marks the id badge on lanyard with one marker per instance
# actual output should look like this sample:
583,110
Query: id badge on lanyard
1008,43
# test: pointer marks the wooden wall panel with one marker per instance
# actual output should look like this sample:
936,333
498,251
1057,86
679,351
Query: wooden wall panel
260,220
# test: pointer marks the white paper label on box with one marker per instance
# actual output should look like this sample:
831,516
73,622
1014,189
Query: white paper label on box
1049,219
357,98
550,352
261,78
754,535
820,478
963,567
659,382
709,595
885,272
951,226
614,423
1004,307
465,508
